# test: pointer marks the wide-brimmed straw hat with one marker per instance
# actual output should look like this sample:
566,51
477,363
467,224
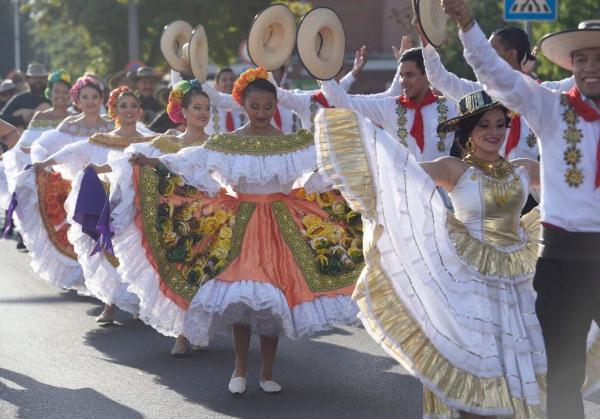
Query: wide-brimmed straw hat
321,43
197,53
432,19
470,105
272,37
36,70
173,42
558,47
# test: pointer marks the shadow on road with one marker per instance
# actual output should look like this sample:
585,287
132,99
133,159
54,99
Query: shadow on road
320,379
38,400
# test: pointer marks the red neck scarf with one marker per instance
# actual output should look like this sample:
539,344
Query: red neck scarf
320,98
589,114
277,118
513,135
417,130
229,124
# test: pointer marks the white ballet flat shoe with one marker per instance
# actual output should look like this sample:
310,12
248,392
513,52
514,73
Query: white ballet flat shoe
179,348
105,318
237,385
199,348
269,386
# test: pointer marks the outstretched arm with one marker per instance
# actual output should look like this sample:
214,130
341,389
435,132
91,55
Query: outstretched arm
374,109
218,99
514,89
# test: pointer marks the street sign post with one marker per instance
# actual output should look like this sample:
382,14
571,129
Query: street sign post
530,10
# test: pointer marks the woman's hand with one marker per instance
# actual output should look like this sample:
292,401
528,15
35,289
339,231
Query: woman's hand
139,158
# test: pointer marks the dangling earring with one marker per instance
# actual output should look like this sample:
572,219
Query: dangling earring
470,145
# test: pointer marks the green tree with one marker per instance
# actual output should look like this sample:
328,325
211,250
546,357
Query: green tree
489,15
83,34
570,13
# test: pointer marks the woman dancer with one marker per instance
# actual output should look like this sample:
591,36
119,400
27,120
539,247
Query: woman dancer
57,92
40,213
447,295
281,261
99,270
18,157
189,105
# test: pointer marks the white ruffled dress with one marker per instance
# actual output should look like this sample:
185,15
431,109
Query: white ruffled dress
155,308
449,296
257,169
100,270
47,260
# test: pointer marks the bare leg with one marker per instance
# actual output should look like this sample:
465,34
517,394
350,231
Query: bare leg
241,341
268,350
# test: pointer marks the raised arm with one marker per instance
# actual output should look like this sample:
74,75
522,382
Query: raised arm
560,85
516,90
294,100
220,100
449,84
374,109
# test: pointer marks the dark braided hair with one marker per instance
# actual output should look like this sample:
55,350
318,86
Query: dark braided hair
512,37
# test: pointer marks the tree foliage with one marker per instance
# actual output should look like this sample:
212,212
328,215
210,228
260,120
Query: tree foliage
83,34
489,15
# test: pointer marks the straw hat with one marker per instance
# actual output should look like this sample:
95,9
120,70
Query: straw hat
469,105
272,37
432,20
7,85
558,47
145,73
36,70
172,42
197,53
321,43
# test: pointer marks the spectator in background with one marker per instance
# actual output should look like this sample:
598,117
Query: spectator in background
145,79
7,90
20,109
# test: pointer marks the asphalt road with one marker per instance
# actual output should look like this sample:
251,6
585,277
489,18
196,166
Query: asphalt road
56,362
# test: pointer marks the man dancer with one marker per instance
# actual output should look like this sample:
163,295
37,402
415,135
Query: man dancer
567,125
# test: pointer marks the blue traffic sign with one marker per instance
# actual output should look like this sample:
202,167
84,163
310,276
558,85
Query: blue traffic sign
530,10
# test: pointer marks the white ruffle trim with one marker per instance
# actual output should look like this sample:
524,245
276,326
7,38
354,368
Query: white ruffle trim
46,261
233,168
14,160
4,190
263,307
484,327
101,277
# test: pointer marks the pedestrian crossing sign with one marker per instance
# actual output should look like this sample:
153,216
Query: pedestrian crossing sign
530,10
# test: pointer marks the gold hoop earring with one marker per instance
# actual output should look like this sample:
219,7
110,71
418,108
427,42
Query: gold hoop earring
471,145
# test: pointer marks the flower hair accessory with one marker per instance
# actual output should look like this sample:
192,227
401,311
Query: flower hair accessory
114,98
176,99
247,77
81,82
59,75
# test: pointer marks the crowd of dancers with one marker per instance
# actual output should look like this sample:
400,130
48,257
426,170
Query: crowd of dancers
246,208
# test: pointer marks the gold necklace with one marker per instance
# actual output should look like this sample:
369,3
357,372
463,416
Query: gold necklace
498,169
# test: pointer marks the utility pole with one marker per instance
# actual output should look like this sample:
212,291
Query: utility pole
133,30
17,34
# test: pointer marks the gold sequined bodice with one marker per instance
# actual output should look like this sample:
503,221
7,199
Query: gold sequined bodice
490,207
